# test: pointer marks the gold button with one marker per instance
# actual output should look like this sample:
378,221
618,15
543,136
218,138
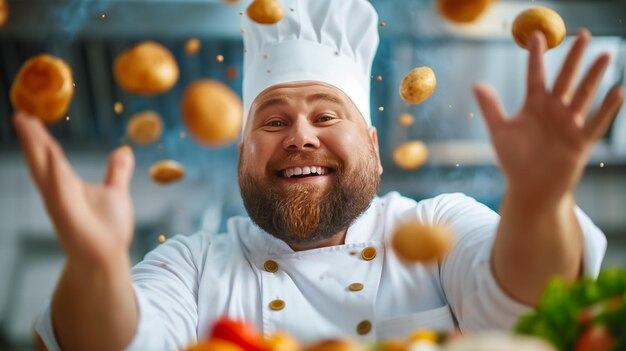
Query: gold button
277,305
270,266
355,287
364,327
368,253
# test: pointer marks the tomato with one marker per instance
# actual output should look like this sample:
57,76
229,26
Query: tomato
596,338
238,333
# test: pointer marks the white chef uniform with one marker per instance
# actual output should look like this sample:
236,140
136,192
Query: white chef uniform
189,281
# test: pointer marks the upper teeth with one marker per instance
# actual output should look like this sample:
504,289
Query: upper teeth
289,172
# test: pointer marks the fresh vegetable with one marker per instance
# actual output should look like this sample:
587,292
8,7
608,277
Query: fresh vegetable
571,316
238,333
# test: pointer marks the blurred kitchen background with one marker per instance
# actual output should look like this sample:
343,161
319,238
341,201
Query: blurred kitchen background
89,35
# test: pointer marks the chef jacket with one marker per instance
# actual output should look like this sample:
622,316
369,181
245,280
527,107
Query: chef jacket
189,281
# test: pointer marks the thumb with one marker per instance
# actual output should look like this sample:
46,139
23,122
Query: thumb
120,168
489,105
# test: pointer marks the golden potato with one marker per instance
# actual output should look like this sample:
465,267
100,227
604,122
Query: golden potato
212,112
416,241
147,68
4,12
462,11
43,87
410,155
166,171
335,345
144,128
265,11
392,345
418,85
405,119
192,46
282,341
542,19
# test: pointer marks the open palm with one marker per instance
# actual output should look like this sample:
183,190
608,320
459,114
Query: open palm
544,148
94,222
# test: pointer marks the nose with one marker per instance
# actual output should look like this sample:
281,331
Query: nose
301,136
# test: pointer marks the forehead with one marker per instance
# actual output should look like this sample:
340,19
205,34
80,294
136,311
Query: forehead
299,90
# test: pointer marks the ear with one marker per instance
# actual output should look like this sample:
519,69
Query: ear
374,137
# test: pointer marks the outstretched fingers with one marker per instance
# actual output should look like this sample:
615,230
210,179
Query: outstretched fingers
597,126
35,141
536,81
120,168
587,88
46,160
490,106
564,85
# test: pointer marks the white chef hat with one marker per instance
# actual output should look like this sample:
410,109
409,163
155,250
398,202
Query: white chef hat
329,41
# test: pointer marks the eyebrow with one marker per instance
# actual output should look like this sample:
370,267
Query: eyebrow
284,100
325,97
273,101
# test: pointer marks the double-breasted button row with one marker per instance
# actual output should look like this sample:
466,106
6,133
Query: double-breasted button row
367,254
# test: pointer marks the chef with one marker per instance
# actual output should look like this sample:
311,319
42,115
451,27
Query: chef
314,257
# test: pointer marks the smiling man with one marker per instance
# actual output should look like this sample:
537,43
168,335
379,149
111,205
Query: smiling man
309,165
314,257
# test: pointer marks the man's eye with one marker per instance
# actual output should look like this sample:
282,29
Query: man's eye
326,118
275,124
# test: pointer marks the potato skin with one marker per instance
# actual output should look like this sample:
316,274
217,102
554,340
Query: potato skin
543,19
147,68
462,11
43,88
144,127
418,85
212,112
410,155
265,11
418,242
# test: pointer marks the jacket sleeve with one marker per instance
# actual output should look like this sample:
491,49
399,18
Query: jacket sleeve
166,285
474,295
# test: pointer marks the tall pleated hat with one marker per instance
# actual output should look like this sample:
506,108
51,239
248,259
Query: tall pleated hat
328,41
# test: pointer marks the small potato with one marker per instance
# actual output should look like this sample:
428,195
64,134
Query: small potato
43,87
336,345
410,155
416,241
542,19
192,46
265,11
212,112
462,11
144,128
147,68
498,341
405,119
418,85
166,171
282,341
4,12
